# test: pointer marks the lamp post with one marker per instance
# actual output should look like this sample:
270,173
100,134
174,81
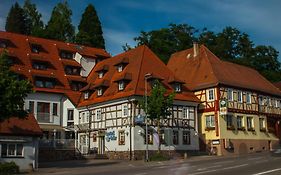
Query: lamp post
146,76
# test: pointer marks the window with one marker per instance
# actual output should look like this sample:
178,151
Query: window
230,94
55,109
98,114
210,121
175,137
262,123
162,137
248,97
100,74
121,85
229,121
35,48
240,96
31,107
186,138
86,95
149,137
276,103
185,113
125,110
120,68
261,100
210,95
43,108
39,66
44,83
70,114
83,117
3,44
99,92
240,122
250,124
121,138
269,101
66,55
12,150
70,70
178,87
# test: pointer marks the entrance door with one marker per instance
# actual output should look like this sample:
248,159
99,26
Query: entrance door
101,147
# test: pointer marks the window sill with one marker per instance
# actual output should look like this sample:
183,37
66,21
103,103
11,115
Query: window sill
230,128
263,130
241,129
251,129
209,128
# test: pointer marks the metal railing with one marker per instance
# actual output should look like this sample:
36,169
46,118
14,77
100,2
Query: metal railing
57,143
44,117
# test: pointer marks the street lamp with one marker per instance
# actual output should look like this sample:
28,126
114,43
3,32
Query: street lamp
146,76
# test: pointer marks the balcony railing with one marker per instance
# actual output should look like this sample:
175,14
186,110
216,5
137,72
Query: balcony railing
44,117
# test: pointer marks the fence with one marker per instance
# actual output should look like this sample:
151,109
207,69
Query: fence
57,143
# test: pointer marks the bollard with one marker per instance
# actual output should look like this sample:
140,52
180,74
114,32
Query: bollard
185,156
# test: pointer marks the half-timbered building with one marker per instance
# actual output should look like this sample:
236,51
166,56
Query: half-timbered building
111,121
239,110
57,71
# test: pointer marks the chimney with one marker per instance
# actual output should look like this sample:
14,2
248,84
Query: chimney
195,49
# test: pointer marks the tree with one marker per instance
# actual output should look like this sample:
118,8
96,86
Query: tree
90,30
158,105
16,20
12,91
166,41
34,22
59,26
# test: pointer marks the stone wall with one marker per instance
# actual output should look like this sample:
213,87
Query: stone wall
49,155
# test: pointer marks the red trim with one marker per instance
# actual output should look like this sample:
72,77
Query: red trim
216,110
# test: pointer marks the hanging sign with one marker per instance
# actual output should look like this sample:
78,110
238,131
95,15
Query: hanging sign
223,107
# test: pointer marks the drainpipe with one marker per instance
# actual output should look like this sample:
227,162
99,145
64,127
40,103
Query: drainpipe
131,112
89,129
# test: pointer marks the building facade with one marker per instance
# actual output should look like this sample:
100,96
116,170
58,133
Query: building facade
111,121
239,111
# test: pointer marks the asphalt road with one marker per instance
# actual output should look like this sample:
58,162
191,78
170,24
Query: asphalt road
254,164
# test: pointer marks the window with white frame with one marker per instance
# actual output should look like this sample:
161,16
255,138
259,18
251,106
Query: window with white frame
12,150
185,113
83,117
229,94
250,123
125,110
175,137
248,97
210,95
120,68
276,103
229,121
262,123
210,121
178,87
98,114
100,74
240,96
121,85
260,100
121,137
240,123
149,137
99,92
162,137
185,137
269,101
86,95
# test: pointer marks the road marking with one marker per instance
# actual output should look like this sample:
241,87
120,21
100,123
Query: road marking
209,171
269,171
229,161
216,166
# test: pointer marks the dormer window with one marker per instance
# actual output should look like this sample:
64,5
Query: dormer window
120,68
100,74
39,66
99,92
45,83
121,85
178,87
66,54
70,70
3,44
86,95
35,48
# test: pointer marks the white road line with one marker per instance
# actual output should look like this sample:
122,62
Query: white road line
227,168
223,162
216,166
269,171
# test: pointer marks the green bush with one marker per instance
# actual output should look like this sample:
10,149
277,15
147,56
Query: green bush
158,157
8,168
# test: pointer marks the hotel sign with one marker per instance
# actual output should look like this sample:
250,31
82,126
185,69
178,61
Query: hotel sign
223,107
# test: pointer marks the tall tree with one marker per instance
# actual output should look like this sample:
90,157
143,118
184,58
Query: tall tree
16,21
12,91
90,30
34,22
158,105
59,26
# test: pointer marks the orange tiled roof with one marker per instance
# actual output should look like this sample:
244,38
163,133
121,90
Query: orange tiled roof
20,48
207,70
20,127
137,63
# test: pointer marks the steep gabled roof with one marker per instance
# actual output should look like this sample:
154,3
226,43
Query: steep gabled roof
139,62
21,48
207,70
20,127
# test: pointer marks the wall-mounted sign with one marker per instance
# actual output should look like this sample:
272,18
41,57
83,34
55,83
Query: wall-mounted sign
223,107
215,142
110,136
139,119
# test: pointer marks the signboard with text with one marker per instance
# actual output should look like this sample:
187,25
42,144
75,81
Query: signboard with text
223,107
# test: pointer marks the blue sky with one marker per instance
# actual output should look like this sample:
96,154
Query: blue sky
122,20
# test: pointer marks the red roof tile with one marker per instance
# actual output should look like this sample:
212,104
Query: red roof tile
207,70
140,61
20,127
50,53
